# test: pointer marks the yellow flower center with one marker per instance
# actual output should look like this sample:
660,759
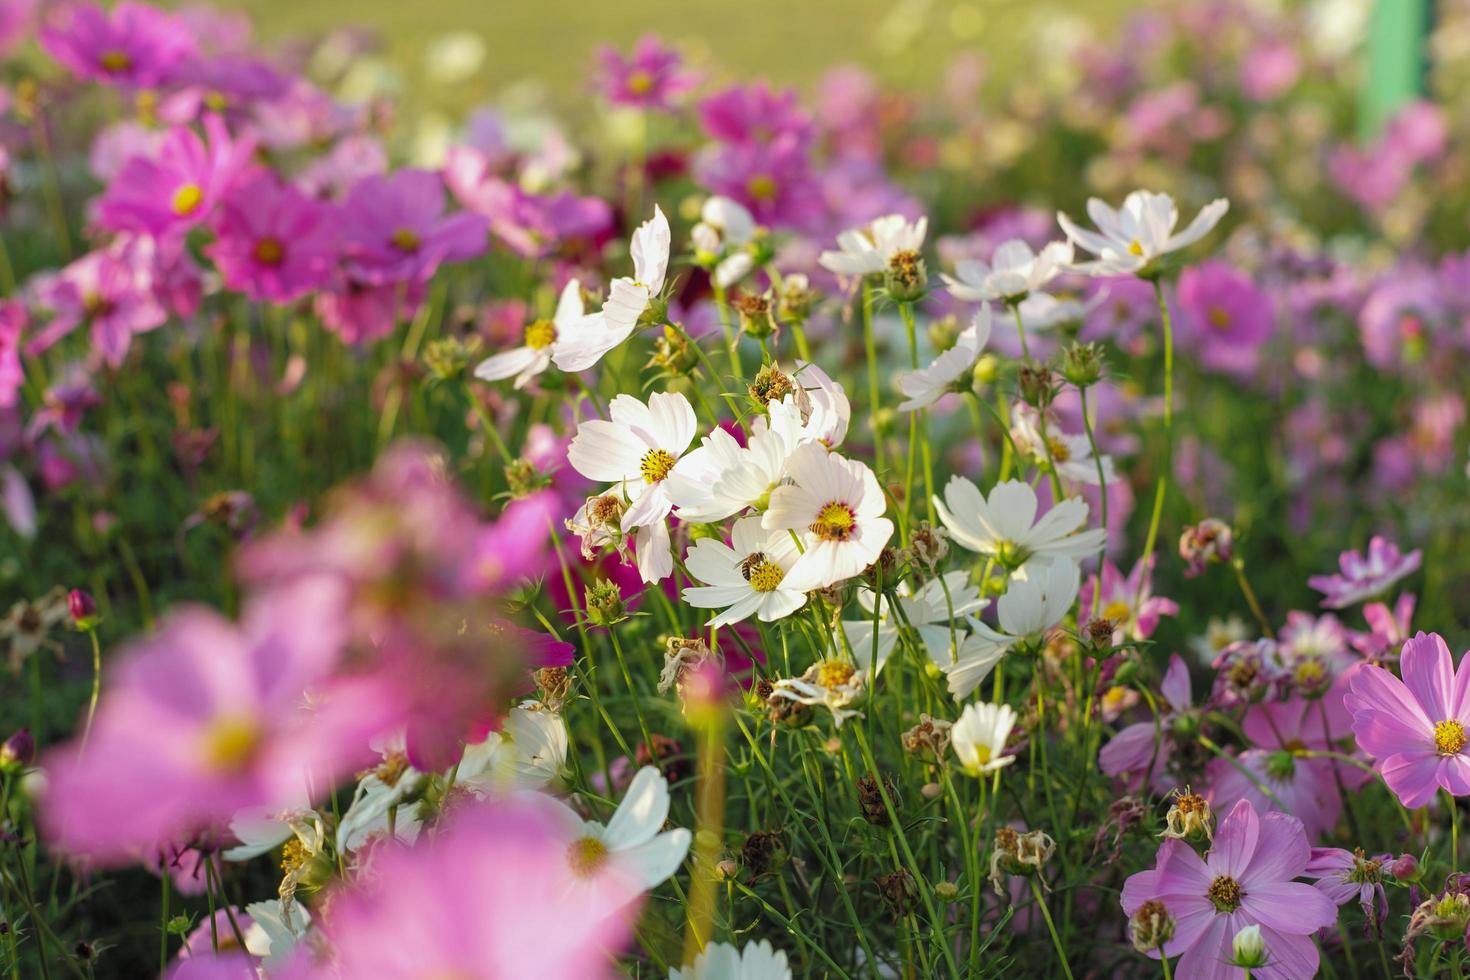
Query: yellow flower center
982,754
1117,611
586,856
1225,893
217,101
1310,673
406,240
656,464
1135,248
835,673
294,855
1449,737
1219,319
1060,451
835,522
640,82
230,743
761,187
270,251
186,200
115,60
763,574
540,335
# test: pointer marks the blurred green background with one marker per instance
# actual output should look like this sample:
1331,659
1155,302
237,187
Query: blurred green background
554,41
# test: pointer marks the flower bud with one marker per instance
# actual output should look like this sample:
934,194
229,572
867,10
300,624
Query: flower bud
946,891
447,357
796,298
1248,949
1038,385
906,277
1151,926
1082,364
523,478
673,353
763,853
1405,867
756,317
83,609
19,750
604,602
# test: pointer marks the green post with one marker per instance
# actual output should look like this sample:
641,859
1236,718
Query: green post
1398,61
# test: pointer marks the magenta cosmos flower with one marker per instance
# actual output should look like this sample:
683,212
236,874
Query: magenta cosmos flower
1245,879
493,895
107,293
205,718
180,185
1129,602
1226,317
394,229
1417,729
274,243
653,78
1365,576
1344,875
134,44
1141,749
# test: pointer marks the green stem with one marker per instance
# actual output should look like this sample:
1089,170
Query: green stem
1051,927
1161,489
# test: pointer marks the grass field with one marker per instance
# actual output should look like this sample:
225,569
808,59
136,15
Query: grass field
552,41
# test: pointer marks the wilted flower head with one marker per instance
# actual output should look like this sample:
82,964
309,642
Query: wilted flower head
1189,818
1205,543
1015,853
832,684
1151,926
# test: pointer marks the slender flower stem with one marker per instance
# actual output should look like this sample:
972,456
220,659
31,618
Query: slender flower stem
709,830
1454,831
732,339
1020,330
1167,469
918,423
1051,928
1250,598
1102,487
874,390
1164,961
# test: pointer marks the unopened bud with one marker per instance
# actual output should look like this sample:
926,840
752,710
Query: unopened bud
906,277
1248,949
756,316
1082,364
946,891
83,609
19,750
605,605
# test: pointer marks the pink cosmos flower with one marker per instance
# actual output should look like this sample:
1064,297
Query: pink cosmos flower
17,17
1388,628
205,718
1226,317
653,78
1128,602
359,313
394,229
102,290
755,114
229,84
179,186
1365,576
1416,728
133,44
1344,875
274,243
1245,879
774,181
532,225
1140,749
13,321
493,895
226,966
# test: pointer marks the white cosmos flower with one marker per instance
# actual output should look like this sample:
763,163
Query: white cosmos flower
260,830
725,228
824,405
837,507
1014,271
543,340
979,737
867,251
528,752
746,576
928,384
275,929
636,450
930,611
633,844
1072,454
722,477
375,810
720,961
1006,528
831,684
593,336
1029,607
1043,311
1131,238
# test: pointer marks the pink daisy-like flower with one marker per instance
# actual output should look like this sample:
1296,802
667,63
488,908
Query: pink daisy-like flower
482,899
1128,602
1417,729
134,44
1365,576
394,229
13,321
179,186
1344,875
653,78
1247,878
106,292
1136,751
274,243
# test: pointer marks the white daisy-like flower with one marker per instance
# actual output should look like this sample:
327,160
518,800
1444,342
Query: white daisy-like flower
528,753
979,737
867,251
593,336
260,830
1043,311
636,450
950,370
720,961
543,340
1029,608
276,927
722,477
1005,526
725,227
1013,272
746,576
375,810
830,684
633,844
1132,238
1072,454
836,506
824,405
930,611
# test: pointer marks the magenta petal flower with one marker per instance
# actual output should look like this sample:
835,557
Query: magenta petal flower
180,185
1129,602
1415,728
653,78
1365,576
394,229
1344,875
1140,748
1226,317
274,243
134,44
1245,879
